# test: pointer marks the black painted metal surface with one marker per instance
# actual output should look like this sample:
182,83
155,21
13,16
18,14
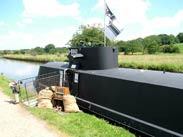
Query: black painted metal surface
140,102
94,58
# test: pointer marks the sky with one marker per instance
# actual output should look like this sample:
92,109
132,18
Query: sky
26,24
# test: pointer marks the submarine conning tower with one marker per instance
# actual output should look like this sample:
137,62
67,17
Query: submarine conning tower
93,58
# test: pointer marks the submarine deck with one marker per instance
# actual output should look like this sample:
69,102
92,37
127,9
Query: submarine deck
167,79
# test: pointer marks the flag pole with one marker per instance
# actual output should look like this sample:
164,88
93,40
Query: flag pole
104,22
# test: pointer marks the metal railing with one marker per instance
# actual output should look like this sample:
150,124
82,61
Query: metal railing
29,87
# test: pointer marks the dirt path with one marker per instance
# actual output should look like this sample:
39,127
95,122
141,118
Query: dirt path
15,121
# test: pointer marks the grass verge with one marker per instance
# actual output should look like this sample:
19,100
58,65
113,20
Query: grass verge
164,62
73,124
39,58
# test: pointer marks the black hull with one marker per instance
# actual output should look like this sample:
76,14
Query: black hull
149,108
148,101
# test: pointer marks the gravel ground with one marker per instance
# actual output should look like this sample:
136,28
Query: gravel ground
15,121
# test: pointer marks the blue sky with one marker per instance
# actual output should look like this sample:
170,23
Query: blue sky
32,23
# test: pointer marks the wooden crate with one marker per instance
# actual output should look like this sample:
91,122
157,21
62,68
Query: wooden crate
60,91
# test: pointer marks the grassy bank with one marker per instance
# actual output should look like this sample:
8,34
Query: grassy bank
166,62
74,124
38,58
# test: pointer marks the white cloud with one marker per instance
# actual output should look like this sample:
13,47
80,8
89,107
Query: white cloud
127,11
20,24
15,40
99,5
20,40
16,35
49,8
167,22
132,14
58,37
179,15
167,25
2,23
24,22
27,21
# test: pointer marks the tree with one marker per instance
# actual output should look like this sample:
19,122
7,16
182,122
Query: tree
50,48
165,39
121,45
151,44
88,36
62,50
168,39
4,52
152,48
173,39
23,51
16,52
180,37
130,46
38,50
133,46
171,49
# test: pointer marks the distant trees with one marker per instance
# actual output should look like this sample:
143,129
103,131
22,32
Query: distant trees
132,46
180,37
4,52
48,49
168,39
151,44
39,50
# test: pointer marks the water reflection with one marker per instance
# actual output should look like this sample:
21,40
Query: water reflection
18,69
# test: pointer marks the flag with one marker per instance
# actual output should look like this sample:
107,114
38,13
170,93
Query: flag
109,13
112,29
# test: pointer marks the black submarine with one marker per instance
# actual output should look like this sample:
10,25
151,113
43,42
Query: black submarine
145,100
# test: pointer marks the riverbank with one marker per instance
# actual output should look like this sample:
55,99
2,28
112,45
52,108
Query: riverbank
38,58
74,124
163,62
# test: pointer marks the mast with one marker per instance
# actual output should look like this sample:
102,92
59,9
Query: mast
104,22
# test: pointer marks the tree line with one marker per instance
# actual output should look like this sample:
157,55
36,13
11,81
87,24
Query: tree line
151,44
48,49
93,36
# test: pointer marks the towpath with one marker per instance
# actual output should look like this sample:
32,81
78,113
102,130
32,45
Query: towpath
15,121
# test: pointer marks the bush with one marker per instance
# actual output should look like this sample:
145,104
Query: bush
152,49
171,49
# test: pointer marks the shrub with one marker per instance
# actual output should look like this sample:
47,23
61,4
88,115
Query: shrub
152,49
171,49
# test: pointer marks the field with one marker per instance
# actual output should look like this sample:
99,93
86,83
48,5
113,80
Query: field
165,62
73,124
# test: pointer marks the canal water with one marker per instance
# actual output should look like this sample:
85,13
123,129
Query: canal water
18,70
